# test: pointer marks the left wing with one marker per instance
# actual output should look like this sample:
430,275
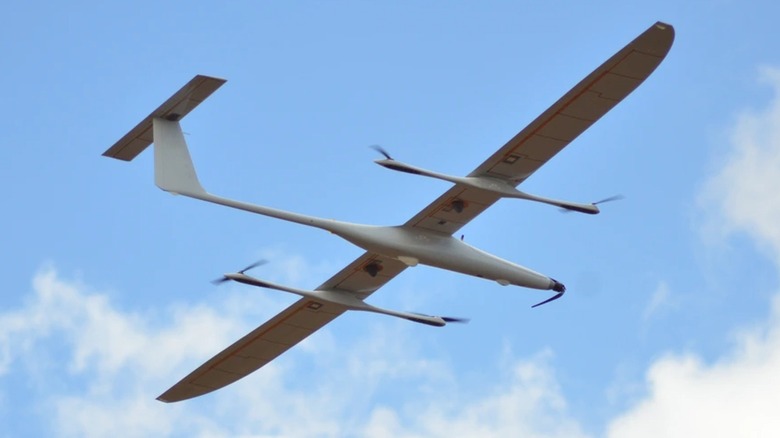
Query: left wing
283,331
553,130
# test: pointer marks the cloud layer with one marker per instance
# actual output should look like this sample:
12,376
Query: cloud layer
738,394
96,369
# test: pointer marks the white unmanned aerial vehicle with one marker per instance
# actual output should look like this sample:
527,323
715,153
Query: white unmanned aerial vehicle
427,238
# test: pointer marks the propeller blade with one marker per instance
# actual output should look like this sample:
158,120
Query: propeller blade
224,279
558,295
610,199
381,150
253,265
218,281
457,320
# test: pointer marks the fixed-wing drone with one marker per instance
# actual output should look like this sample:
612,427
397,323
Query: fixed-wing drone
427,238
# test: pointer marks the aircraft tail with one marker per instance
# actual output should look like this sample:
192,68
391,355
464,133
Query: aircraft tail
174,171
173,168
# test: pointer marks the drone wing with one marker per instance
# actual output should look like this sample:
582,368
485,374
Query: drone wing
283,331
553,130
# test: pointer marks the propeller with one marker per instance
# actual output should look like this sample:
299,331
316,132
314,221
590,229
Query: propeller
381,150
553,298
447,319
223,279
457,320
610,199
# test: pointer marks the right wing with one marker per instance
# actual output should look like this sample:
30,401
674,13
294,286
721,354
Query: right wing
283,331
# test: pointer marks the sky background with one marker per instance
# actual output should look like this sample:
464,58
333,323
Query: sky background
671,326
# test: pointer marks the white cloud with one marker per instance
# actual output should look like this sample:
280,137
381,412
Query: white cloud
738,394
94,370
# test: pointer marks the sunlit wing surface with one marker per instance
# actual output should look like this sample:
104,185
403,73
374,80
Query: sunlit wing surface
571,115
555,128
283,331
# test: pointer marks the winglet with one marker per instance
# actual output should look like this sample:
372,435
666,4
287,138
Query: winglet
173,109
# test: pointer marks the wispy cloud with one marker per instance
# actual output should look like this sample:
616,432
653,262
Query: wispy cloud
527,403
744,193
660,299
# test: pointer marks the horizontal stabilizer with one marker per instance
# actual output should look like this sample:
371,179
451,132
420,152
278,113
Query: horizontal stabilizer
176,107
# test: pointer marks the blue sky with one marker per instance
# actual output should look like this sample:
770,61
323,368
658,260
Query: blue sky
672,323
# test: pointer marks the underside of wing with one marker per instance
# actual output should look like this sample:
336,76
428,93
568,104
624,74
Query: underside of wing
256,349
176,107
454,209
365,275
294,324
553,130
582,106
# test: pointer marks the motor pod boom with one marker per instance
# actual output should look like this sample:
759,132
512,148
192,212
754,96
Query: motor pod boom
346,299
503,188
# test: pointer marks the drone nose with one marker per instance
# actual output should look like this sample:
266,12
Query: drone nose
558,286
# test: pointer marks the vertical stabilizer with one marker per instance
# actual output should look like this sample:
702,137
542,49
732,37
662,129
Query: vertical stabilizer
173,168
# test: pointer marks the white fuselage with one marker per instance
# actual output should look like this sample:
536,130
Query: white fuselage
175,173
412,245
409,245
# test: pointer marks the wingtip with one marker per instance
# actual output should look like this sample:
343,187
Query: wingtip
666,27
